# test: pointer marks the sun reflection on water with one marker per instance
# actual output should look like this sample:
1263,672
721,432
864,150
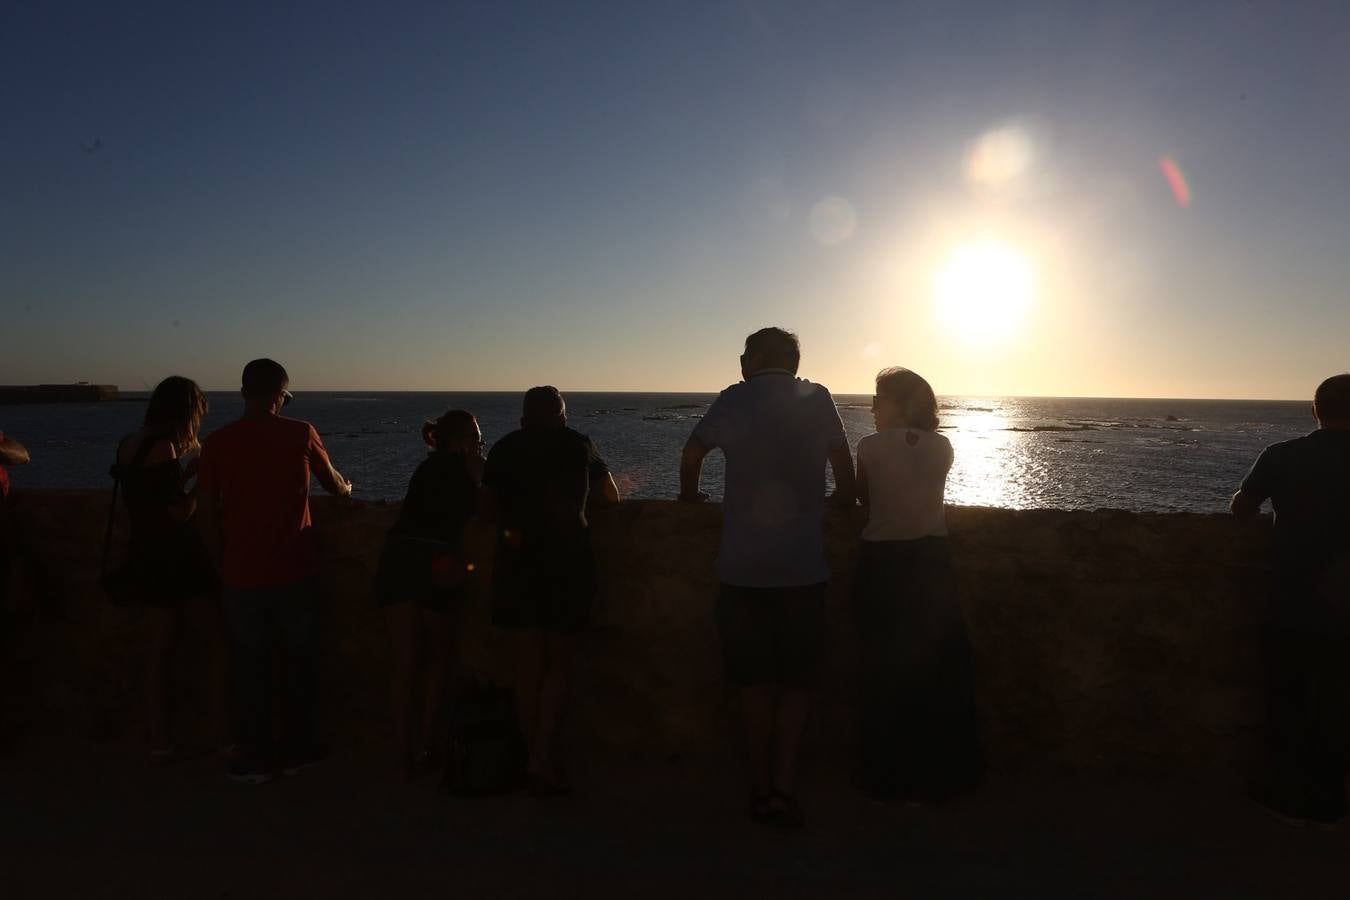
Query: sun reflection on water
993,466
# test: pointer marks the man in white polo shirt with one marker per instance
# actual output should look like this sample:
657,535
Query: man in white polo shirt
776,431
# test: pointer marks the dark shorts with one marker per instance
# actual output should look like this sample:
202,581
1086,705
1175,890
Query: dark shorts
772,637
550,587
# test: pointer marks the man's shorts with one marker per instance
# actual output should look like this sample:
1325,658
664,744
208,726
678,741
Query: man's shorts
772,637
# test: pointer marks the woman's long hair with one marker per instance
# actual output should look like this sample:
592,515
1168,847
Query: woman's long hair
175,412
912,396
455,425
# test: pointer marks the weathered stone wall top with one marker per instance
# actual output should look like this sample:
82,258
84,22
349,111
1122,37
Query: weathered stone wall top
1103,639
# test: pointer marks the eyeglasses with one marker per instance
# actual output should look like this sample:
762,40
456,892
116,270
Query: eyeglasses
286,398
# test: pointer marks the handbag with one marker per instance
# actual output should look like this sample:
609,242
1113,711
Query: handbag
119,583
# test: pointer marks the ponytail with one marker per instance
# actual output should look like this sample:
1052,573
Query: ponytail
455,425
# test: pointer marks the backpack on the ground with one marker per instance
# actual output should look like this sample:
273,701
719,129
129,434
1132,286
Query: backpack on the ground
485,751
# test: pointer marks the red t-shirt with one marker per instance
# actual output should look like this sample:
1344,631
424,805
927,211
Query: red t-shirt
259,468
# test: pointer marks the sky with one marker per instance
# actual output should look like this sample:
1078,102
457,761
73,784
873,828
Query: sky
1063,199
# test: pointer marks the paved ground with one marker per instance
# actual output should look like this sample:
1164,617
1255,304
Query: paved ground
85,821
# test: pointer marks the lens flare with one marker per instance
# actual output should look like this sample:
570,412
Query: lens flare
999,157
1181,191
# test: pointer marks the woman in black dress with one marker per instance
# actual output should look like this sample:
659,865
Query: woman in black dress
422,579
540,481
918,732
166,563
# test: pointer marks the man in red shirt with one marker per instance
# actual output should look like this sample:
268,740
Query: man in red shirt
253,503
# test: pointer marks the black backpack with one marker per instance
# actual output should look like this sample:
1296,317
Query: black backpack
486,754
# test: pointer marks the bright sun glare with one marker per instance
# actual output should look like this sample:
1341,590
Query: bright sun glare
982,291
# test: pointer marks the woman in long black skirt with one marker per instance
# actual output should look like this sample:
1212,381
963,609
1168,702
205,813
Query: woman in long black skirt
917,728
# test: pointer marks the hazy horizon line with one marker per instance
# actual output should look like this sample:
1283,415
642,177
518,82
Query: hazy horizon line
569,391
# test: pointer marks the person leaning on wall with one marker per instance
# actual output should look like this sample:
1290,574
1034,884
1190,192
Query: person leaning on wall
1307,617
777,432
253,504
12,453
540,481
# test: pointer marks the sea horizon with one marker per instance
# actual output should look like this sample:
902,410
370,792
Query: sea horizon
145,393
1141,454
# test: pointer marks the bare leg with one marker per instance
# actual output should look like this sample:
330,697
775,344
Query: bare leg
758,706
163,628
401,619
793,706
529,675
438,638
552,693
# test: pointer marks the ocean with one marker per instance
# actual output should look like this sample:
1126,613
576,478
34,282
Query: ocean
1141,455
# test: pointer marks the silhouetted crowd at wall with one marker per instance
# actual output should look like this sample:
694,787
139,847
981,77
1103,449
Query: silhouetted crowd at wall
230,518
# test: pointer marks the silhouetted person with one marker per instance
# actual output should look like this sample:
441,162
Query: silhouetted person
12,453
166,564
1307,634
776,431
539,480
917,728
253,497
422,579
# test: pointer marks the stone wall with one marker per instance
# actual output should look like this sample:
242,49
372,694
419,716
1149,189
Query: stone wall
1105,640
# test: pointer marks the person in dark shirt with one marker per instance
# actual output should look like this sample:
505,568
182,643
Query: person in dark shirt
12,453
422,578
540,479
1307,635
166,564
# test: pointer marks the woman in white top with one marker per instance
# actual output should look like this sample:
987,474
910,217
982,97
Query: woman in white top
917,729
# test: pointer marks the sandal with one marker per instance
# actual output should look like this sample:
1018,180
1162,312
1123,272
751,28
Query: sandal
784,812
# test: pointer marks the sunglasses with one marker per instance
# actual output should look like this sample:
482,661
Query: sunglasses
286,398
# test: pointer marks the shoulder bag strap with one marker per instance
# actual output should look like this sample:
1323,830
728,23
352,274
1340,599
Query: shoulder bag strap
116,472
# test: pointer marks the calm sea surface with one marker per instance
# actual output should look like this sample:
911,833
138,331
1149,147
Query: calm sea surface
1146,455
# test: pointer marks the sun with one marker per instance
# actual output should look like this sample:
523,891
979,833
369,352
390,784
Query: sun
982,291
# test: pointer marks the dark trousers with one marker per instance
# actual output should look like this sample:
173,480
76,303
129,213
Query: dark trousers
917,729
1307,720
259,620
